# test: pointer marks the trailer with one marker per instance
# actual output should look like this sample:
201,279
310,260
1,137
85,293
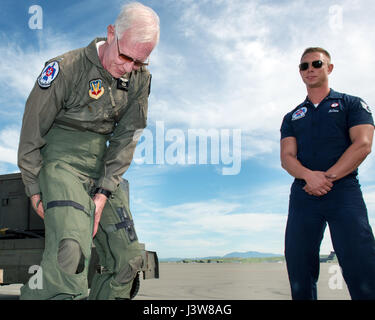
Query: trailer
22,239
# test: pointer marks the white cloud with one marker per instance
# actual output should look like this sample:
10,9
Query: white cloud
19,68
244,71
9,138
207,228
366,169
8,155
369,197
217,227
29,60
234,66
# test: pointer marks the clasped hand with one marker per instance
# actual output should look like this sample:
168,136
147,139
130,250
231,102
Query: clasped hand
318,183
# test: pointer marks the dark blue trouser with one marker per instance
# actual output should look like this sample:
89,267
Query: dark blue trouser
345,212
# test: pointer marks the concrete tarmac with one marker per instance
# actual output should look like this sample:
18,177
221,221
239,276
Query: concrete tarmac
225,281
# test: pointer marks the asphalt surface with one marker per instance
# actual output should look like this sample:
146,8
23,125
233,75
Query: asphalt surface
224,281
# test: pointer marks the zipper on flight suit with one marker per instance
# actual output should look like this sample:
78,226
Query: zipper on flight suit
112,99
113,102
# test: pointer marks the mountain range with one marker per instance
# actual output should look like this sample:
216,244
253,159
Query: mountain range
248,254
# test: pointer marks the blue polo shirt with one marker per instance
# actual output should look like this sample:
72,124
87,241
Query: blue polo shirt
322,132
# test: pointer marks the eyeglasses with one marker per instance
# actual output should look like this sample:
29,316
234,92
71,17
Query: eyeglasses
126,58
317,64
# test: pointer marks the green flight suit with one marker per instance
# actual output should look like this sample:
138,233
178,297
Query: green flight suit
78,134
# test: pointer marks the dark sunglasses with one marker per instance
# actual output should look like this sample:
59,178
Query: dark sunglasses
126,58
316,64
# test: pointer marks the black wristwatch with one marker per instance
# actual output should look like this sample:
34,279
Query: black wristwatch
103,191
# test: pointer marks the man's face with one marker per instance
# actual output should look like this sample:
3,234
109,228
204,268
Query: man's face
116,65
315,77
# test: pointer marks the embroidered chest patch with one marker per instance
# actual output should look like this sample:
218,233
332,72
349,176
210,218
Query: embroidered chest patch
96,88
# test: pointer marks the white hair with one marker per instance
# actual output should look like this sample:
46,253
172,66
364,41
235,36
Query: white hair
143,21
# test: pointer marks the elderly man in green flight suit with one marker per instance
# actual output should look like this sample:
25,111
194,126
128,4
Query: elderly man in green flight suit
78,138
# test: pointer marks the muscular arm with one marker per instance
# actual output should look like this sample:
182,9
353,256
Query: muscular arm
361,137
289,161
318,183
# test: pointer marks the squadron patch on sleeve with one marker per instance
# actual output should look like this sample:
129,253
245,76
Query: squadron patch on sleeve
300,113
365,106
48,74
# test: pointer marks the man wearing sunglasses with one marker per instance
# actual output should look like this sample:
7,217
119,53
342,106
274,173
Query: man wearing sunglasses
78,138
323,141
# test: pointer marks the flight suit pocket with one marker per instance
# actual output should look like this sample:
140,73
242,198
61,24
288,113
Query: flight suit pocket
117,219
126,223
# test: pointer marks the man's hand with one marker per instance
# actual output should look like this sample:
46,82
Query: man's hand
100,201
37,205
318,183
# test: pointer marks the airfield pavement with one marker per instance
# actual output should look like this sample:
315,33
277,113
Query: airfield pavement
224,281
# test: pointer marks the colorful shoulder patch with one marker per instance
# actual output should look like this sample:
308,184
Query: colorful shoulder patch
96,88
300,113
48,74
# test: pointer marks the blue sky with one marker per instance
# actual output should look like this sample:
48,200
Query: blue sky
221,66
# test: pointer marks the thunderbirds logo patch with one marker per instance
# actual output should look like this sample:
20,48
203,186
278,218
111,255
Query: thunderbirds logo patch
96,89
300,113
48,74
